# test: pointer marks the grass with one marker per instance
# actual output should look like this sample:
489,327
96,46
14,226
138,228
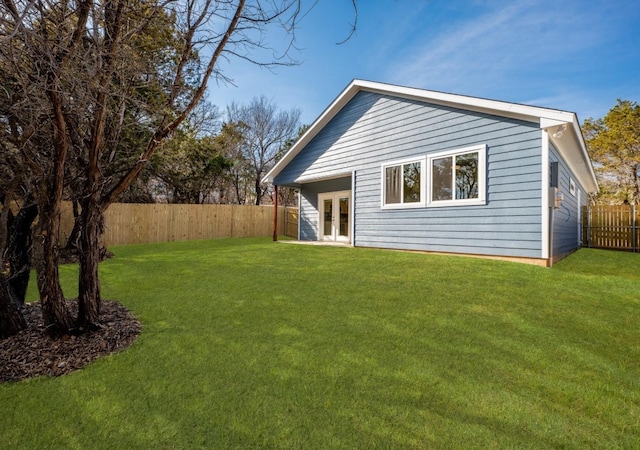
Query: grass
250,344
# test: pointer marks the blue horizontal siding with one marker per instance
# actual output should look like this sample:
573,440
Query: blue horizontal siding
373,129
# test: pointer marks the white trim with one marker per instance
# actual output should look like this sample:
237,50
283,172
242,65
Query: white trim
352,212
299,211
567,140
481,150
546,118
591,181
506,109
324,118
423,181
317,179
321,197
335,227
544,192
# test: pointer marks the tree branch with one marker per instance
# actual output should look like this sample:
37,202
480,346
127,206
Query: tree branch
163,132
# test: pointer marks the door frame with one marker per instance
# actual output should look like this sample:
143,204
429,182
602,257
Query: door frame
334,196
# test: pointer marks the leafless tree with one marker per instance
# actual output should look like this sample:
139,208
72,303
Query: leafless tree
266,130
93,88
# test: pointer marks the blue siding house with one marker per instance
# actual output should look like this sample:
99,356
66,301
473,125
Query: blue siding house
401,168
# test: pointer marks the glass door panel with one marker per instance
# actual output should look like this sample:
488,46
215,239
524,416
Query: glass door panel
328,218
343,230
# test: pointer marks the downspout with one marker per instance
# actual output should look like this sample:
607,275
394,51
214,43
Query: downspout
352,205
285,216
551,210
275,214
299,211
547,215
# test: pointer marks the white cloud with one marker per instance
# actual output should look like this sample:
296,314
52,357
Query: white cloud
578,55
502,49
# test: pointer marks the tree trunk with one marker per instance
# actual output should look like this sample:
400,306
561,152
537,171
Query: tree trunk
46,236
92,220
18,252
258,191
11,318
6,215
45,260
72,241
236,184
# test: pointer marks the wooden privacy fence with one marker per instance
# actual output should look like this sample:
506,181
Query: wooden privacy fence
613,227
130,223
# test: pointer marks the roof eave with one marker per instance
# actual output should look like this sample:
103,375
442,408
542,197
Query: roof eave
324,118
560,136
495,107
545,117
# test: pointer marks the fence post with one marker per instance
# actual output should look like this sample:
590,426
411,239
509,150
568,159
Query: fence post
588,226
275,214
633,229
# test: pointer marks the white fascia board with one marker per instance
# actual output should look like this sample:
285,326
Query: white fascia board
573,149
546,123
592,186
324,118
495,107
517,111
545,117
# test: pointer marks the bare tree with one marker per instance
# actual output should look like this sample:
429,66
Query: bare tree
266,130
17,213
83,77
33,119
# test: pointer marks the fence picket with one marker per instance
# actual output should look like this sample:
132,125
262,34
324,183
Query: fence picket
127,223
613,227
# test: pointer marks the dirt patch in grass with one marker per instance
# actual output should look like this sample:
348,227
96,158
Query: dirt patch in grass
31,353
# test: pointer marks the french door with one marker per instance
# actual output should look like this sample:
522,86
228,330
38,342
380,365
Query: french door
334,221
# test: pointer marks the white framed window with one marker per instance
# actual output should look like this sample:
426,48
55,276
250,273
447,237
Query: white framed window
403,184
457,177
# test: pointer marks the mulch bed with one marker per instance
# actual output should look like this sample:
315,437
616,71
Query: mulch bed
32,353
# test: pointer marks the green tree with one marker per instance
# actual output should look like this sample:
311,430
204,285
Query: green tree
193,166
613,143
230,141
190,168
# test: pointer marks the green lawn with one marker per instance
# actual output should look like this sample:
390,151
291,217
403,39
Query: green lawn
251,344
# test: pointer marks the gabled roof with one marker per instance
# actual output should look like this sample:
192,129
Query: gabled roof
563,127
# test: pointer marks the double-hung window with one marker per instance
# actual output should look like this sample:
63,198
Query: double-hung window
457,177
404,184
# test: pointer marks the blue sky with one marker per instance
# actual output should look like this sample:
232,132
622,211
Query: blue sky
574,55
